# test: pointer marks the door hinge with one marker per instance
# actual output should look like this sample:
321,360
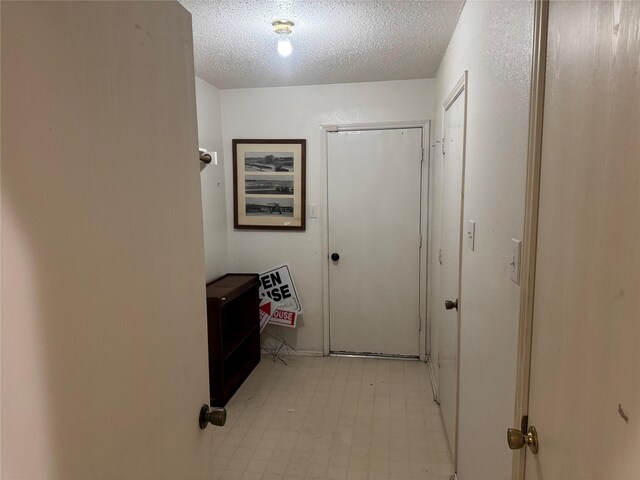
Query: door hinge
422,156
440,256
420,241
443,146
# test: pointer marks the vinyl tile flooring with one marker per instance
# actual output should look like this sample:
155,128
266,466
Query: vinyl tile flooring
333,418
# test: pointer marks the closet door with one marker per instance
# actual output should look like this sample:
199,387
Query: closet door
449,305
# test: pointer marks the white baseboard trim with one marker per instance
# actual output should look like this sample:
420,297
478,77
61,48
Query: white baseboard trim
432,376
300,353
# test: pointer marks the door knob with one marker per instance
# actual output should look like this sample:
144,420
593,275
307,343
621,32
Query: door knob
335,257
214,416
450,305
517,440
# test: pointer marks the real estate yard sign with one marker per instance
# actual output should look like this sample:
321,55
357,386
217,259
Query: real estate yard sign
277,285
265,312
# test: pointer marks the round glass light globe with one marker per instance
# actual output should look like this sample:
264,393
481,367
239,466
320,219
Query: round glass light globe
284,46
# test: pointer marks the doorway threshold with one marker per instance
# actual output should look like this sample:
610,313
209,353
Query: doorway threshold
379,356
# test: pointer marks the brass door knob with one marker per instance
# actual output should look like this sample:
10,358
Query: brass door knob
450,304
517,440
214,416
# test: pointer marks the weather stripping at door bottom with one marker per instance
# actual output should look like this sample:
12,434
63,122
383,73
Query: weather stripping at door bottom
382,356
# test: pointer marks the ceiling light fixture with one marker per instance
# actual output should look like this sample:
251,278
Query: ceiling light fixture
283,29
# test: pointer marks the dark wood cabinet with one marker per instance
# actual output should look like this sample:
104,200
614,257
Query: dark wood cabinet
233,325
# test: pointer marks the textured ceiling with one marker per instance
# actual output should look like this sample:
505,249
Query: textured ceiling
334,41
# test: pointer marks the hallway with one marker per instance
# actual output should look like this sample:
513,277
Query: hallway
333,418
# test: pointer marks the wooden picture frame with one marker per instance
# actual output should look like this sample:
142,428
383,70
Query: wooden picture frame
269,184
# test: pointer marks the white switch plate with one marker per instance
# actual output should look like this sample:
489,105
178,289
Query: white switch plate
471,235
516,248
313,211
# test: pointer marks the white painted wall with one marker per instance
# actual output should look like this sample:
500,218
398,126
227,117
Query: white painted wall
493,42
214,202
299,112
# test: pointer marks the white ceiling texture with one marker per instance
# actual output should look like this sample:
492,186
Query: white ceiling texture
334,41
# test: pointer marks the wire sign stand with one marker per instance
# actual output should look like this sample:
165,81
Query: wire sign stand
276,345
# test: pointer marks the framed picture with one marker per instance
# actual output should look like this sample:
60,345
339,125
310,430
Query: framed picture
269,184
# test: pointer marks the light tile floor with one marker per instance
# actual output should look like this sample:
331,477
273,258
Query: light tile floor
333,418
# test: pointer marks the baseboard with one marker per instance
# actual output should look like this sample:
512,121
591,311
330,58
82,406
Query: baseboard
300,353
432,377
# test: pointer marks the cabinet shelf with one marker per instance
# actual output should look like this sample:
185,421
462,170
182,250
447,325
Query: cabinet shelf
234,333
232,344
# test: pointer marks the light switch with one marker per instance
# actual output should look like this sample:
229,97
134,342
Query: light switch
516,248
313,211
471,235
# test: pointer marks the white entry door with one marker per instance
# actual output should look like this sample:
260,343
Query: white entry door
446,307
374,181
584,397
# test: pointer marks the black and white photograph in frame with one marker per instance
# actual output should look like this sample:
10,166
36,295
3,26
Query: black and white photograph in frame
269,184
265,207
268,162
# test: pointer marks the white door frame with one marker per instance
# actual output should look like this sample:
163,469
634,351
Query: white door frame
532,200
424,206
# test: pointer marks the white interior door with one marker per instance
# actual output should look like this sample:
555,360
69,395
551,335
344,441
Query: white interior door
450,235
585,364
104,339
374,180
